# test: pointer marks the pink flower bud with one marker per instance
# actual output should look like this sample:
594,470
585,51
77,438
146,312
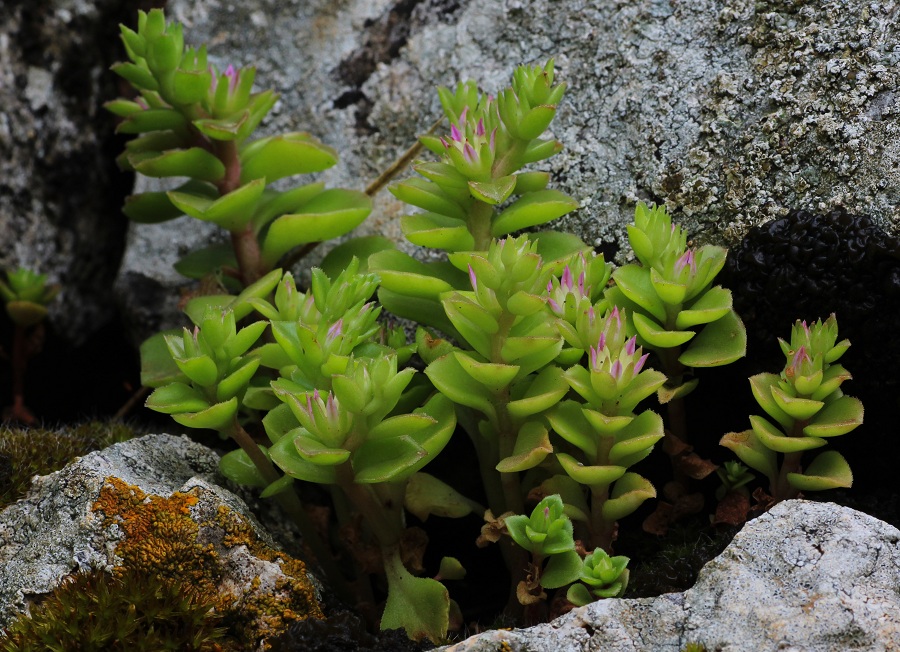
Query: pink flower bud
455,134
566,280
616,370
630,346
640,363
335,330
479,128
473,279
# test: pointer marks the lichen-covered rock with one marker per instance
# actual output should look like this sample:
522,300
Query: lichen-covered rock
805,576
152,504
61,194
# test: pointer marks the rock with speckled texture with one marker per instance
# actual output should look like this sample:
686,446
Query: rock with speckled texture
805,577
60,190
155,504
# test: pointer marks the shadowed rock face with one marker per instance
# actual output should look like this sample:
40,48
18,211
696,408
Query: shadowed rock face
805,576
60,190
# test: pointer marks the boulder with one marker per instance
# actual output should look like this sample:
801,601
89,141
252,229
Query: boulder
61,193
804,576
155,504
730,113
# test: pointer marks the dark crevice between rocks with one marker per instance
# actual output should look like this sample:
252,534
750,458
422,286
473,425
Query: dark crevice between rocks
386,36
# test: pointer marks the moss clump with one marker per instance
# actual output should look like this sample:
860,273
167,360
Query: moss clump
160,537
27,452
129,612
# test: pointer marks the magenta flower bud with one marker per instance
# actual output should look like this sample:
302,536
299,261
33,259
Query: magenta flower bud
640,363
493,138
615,315
595,352
549,286
581,284
462,116
591,316
232,75
469,153
554,306
616,370
630,346
601,343
455,134
473,279
479,128
331,407
444,143
687,259
309,407
566,280
335,330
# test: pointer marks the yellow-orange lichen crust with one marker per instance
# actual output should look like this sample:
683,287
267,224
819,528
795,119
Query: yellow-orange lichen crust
160,537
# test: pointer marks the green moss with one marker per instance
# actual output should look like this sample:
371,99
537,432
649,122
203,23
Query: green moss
27,452
132,611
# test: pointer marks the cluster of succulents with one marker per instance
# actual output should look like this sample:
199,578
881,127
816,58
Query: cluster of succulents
541,353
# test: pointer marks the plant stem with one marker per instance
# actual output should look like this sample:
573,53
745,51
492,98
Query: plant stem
20,354
479,225
290,502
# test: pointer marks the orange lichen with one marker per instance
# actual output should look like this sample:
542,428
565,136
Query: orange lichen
160,537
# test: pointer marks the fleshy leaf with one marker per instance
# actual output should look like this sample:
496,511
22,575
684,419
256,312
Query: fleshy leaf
238,467
838,417
534,208
720,342
773,438
751,451
829,470
285,155
592,476
195,162
627,495
657,336
426,495
532,447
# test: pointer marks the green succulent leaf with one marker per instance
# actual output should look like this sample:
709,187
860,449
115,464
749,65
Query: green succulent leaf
386,460
719,343
795,407
238,467
634,282
216,417
285,454
449,377
761,385
437,231
532,447
829,470
656,335
400,272
428,196
175,398
232,211
544,391
568,421
627,495
493,192
195,162
773,438
285,155
838,417
712,305
751,451
157,366
419,605
329,214
426,495
592,476
493,376
534,208
637,439
313,450
561,569
153,120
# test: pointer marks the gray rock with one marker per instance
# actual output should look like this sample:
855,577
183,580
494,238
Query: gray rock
806,576
69,521
729,112
60,191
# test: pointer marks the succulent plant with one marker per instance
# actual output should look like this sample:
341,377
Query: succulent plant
806,402
601,576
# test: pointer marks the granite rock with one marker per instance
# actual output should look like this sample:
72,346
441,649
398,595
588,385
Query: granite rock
804,577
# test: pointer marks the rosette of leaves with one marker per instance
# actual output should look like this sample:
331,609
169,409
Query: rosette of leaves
466,197
808,406
674,306
604,434
601,576
26,295
192,120
548,535
353,438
